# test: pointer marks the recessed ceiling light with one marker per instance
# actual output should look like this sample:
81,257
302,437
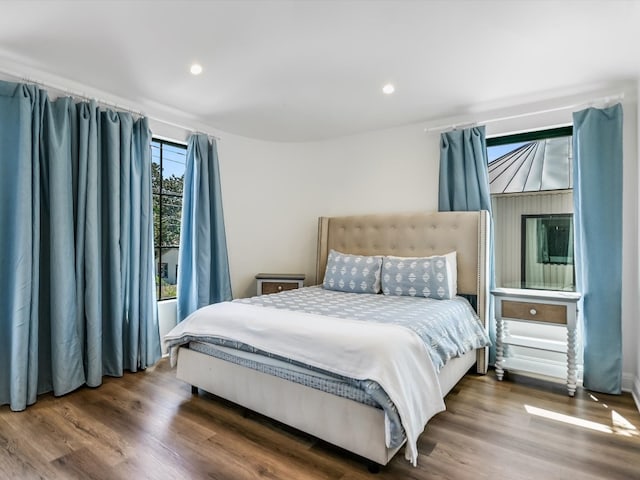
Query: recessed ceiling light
196,69
388,89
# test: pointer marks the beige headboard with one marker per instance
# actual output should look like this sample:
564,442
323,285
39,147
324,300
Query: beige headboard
416,235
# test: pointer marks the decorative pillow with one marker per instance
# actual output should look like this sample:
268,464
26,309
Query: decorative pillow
432,277
352,273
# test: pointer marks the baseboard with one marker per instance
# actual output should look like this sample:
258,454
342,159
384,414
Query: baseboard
635,393
628,380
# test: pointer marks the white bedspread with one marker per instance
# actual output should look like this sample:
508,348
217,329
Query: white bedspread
391,355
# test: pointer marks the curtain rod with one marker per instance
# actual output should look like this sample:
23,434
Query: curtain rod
105,103
453,126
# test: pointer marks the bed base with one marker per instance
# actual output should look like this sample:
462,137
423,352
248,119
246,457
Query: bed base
342,422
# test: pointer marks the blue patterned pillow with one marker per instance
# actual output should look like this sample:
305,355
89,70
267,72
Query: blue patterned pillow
432,277
352,273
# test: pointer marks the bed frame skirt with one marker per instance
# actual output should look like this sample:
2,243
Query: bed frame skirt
348,424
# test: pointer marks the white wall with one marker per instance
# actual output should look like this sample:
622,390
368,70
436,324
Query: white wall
167,318
636,383
274,192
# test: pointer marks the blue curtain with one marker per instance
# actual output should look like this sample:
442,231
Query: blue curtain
464,171
464,186
75,245
597,196
203,264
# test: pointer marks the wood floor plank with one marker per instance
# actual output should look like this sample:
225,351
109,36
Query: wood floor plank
20,457
93,434
82,464
148,425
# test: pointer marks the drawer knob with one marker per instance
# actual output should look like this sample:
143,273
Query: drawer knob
533,311
279,288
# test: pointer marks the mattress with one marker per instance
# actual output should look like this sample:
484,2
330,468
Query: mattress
307,376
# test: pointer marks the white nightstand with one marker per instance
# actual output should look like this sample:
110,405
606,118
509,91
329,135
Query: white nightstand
546,307
278,282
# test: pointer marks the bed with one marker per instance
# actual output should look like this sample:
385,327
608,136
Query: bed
357,427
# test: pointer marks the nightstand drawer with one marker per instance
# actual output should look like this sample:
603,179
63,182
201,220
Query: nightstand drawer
275,287
537,312
278,282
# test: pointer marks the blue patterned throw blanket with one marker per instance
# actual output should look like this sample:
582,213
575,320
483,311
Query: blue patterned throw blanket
449,328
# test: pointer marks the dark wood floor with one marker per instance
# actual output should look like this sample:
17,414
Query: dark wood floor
148,425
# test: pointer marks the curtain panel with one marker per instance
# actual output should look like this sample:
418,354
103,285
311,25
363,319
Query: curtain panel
464,171
203,265
597,196
76,245
464,186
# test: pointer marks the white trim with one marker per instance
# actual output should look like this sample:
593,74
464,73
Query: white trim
172,140
628,382
635,392
608,100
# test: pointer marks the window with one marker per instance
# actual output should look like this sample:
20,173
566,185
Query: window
547,242
168,167
531,182
553,237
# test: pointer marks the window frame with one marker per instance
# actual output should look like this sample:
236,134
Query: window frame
566,131
524,137
523,245
160,195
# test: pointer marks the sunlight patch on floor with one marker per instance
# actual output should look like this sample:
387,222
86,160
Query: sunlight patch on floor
559,417
622,426
619,424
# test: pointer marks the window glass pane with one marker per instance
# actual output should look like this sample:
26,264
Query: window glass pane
168,273
171,213
156,176
535,166
548,252
156,263
172,185
168,168
531,183
173,168
156,219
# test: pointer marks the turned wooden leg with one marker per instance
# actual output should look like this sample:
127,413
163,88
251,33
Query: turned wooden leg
499,348
572,368
505,334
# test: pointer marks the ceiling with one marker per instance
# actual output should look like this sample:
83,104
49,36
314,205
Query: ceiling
309,70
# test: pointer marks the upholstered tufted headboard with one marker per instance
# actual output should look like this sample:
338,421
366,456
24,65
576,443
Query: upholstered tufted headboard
416,235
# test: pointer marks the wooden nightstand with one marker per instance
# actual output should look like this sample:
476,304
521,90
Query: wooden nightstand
278,282
547,307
